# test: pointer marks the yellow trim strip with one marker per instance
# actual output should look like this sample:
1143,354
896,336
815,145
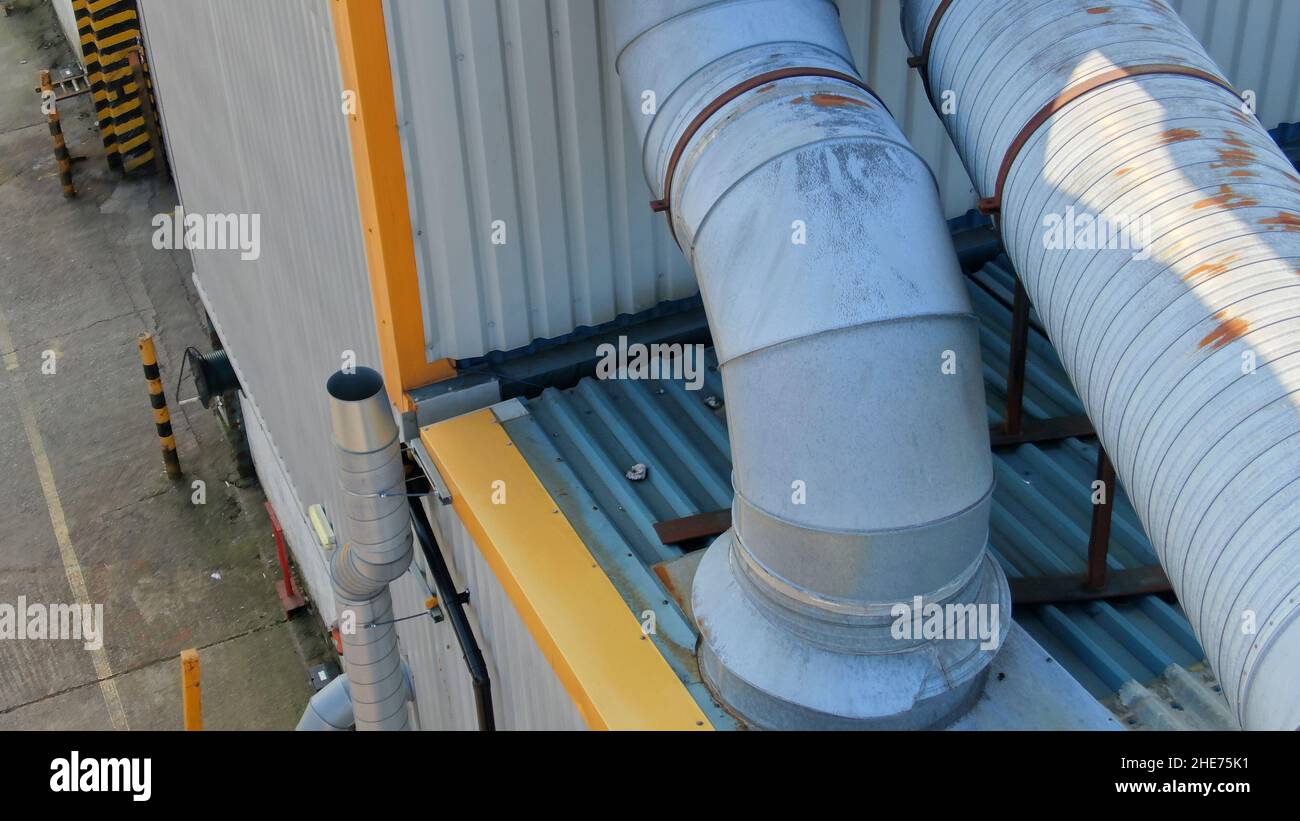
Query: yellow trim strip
381,194
616,677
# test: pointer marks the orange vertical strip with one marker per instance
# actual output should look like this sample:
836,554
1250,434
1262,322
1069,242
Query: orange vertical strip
381,194
191,690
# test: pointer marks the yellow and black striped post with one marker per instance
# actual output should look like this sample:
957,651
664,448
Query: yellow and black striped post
95,76
116,28
162,419
56,134
135,59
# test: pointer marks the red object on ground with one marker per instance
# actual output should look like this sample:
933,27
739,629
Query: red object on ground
290,599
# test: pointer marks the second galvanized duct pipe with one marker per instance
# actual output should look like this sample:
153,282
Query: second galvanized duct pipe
1186,348
376,549
851,363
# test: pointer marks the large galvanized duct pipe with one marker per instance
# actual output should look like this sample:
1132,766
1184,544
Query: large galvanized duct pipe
861,462
376,549
1185,353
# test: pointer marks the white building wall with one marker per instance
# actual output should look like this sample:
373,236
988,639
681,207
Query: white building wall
511,111
68,24
249,92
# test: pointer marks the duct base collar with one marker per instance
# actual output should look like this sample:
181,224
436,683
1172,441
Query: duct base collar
774,678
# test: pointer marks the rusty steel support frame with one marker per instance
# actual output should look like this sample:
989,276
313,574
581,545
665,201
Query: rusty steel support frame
1098,582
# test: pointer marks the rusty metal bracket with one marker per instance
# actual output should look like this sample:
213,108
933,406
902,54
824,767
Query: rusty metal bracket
1099,532
921,62
1138,581
993,204
664,204
699,526
1011,420
1015,429
1039,431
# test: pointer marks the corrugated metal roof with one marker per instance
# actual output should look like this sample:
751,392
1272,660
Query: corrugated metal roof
1040,517
1039,524
1180,699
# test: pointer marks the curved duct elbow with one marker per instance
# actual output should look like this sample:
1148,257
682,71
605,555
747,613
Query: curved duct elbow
330,709
851,363
377,547
1181,330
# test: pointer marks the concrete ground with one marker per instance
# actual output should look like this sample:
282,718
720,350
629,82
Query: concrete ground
85,507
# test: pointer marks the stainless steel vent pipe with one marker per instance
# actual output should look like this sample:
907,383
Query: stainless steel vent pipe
1183,345
851,362
376,549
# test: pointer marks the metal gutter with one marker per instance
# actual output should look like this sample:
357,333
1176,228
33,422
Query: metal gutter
452,602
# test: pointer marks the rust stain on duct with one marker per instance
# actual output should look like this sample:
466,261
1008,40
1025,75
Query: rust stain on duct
1227,198
1243,173
767,87
1234,158
1210,269
1229,329
1126,169
1284,220
670,584
1099,10
831,101
1177,135
1234,139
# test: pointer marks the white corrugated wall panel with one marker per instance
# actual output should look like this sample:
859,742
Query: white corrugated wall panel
1257,44
526,692
68,23
511,111
250,95
313,567
508,113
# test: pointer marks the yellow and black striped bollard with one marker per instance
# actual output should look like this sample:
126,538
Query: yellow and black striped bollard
56,133
162,419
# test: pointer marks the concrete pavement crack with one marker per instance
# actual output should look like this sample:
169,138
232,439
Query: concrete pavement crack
66,334
142,665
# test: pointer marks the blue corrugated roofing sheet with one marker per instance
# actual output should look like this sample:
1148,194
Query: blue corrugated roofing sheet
1040,519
